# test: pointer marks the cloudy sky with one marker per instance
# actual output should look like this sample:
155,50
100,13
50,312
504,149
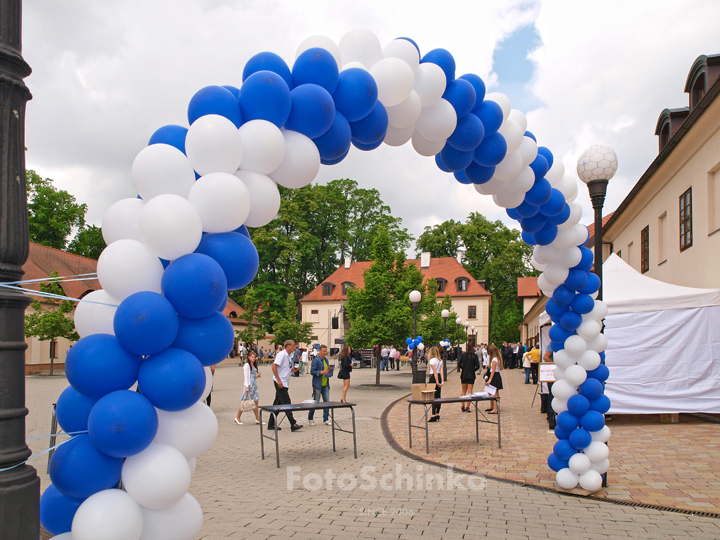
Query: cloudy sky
107,74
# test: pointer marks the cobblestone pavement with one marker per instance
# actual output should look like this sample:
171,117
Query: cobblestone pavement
672,465
246,497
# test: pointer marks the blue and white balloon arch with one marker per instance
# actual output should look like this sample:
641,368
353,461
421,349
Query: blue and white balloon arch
175,251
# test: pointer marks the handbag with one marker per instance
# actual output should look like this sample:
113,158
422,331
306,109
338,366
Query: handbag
246,404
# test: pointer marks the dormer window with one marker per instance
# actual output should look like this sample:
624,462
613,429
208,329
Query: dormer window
345,286
698,90
462,284
441,283
664,135
327,289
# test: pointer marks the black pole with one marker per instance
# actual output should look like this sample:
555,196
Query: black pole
444,349
414,351
597,189
20,486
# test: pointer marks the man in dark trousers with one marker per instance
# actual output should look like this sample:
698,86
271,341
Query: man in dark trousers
281,368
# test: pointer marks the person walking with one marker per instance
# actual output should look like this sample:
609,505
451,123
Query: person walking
397,359
527,365
282,367
384,353
493,375
345,369
436,376
320,384
467,366
304,359
250,370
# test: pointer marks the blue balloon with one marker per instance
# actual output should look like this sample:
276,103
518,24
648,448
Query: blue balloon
440,165
539,167
546,235
591,389
265,96
195,284
242,229
561,433
556,464
592,285
600,373
172,380
97,365
456,160
356,94
57,511
512,214
236,255
461,95
580,438
73,409
547,154
461,177
554,309
145,323
215,100
122,424
586,260
530,135
554,205
313,110
165,262
268,61
563,449
576,279
602,356
233,90
316,66
570,321
562,217
409,341
533,224
578,405
372,128
540,193
491,150
582,304
336,141
527,238
478,174
558,333
478,85
563,296
592,420
444,59
210,339
567,421
78,469
527,210
367,147
491,116
468,133
172,135
601,404
336,161
557,346
419,339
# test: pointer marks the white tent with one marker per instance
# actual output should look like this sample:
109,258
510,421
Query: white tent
663,344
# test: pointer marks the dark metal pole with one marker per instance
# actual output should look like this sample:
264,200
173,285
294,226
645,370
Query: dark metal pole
444,349
597,189
414,352
20,486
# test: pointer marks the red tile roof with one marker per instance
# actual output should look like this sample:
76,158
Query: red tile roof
528,287
446,268
43,260
591,228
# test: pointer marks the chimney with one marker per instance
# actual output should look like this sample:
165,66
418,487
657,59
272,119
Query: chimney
348,260
481,282
425,259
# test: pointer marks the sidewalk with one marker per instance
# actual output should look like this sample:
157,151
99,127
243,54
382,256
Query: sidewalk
670,465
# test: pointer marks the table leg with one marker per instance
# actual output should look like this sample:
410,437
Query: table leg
354,440
497,405
277,444
262,444
409,425
332,421
53,432
477,424
427,432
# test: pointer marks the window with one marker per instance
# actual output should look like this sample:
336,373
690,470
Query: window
620,254
714,200
313,338
441,284
686,239
645,249
662,238
345,287
327,289
462,285
629,253
698,91
472,312
314,315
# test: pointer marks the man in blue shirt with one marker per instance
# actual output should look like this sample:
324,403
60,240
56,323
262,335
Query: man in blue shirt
321,384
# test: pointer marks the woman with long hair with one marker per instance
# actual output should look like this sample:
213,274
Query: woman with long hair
436,376
467,365
250,370
493,375
345,369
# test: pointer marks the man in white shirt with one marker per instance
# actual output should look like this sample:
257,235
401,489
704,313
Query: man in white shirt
304,359
384,353
391,354
281,368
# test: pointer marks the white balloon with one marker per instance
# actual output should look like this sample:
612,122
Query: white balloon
192,431
351,65
556,172
566,479
573,218
591,480
555,274
192,463
157,477
398,137
563,360
437,121
602,435
597,451
583,233
301,162
394,79
513,135
518,116
559,373
421,346
360,45
600,466
404,115
161,168
403,49
208,387
121,220
546,254
170,227
575,345
589,360
491,187
559,405
213,144
563,389
264,198
181,521
588,330
523,181
510,167
529,150
430,83
126,267
544,285
599,344
537,265
593,295
566,239
323,42
508,198
502,100
580,463
222,201
63,536
599,312
424,147
575,375
567,185
570,257
94,314
263,146
110,514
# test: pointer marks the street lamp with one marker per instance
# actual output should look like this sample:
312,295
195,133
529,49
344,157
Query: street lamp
458,322
445,314
467,342
415,297
595,167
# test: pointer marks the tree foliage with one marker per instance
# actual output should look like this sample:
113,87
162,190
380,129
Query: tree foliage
287,326
252,333
88,242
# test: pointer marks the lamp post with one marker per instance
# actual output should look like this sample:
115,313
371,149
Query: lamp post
595,167
472,330
445,314
458,322
415,297
467,342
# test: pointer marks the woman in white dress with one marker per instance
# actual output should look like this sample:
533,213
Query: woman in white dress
436,376
250,370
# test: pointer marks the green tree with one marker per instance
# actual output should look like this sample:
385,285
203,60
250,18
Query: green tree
252,332
88,242
287,326
53,322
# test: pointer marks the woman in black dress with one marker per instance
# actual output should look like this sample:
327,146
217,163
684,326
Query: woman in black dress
345,369
493,375
467,365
